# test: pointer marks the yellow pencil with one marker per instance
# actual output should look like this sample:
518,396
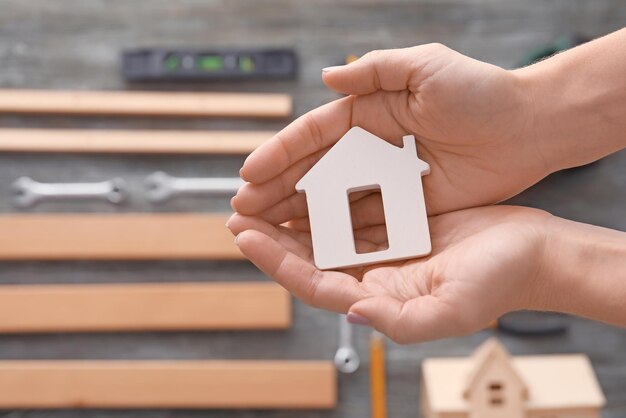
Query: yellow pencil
377,375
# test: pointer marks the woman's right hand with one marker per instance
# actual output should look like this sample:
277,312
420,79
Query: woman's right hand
472,121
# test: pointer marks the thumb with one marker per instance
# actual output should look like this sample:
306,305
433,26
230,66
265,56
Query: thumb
424,318
389,70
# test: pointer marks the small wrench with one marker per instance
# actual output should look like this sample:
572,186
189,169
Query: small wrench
346,358
29,192
162,187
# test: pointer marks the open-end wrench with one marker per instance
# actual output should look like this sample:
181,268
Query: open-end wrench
30,192
161,186
346,358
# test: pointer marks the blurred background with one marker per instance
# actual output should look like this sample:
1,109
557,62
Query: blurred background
76,45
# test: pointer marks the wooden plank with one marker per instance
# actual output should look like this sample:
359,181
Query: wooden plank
116,237
143,307
133,103
168,384
131,142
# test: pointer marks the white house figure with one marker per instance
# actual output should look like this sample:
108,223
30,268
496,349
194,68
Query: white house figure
361,161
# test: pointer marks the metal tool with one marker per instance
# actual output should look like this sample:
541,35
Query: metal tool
172,64
162,187
346,358
533,324
30,192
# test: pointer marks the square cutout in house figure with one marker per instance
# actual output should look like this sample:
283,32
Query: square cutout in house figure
362,161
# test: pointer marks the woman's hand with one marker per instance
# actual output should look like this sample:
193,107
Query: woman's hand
485,262
473,124
487,134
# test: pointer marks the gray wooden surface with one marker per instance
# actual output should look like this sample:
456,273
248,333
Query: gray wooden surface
74,44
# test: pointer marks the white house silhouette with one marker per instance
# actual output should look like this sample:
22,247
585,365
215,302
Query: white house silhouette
362,161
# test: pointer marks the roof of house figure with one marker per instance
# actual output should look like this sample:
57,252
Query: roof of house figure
360,151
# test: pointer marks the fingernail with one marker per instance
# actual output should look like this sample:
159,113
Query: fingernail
236,238
229,219
232,202
329,69
356,319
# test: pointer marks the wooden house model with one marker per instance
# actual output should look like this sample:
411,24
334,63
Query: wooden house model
492,384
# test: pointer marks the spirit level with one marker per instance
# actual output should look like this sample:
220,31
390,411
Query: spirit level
158,64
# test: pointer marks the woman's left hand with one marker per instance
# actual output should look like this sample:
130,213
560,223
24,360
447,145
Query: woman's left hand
485,262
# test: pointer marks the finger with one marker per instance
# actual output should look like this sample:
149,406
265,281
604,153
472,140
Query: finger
388,115
366,240
297,242
363,246
300,224
329,290
254,198
316,130
239,223
367,211
295,206
303,238
303,224
376,235
287,209
389,70
424,318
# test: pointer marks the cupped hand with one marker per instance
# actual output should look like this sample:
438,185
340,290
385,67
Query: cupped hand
473,123
485,262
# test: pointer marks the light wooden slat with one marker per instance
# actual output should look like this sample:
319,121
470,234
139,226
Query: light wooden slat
116,237
132,103
168,384
143,307
131,142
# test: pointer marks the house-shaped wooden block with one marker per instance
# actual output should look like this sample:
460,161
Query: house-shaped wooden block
361,161
492,384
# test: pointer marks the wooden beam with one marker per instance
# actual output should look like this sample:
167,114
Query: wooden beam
168,384
116,237
131,142
143,307
133,103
